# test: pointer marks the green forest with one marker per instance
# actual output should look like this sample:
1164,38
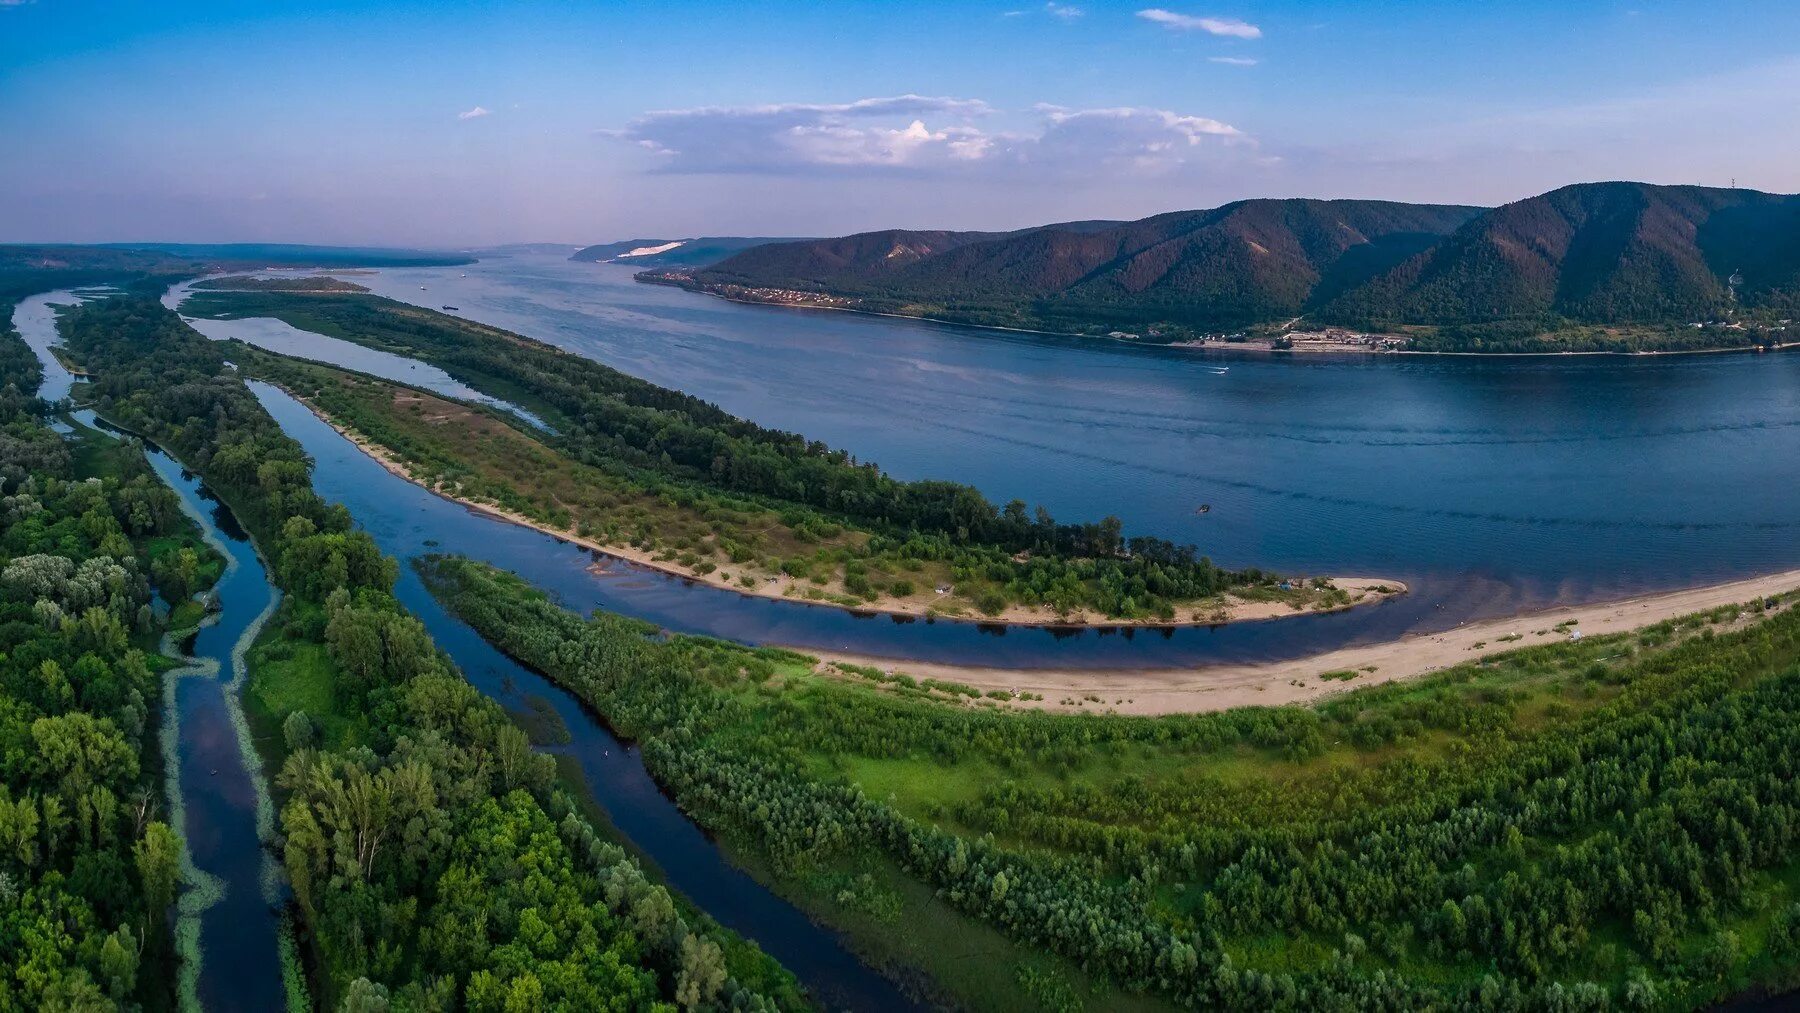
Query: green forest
436,860
1608,823
685,449
88,863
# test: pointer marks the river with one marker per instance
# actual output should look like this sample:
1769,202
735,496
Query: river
228,817
233,893
1490,484
229,911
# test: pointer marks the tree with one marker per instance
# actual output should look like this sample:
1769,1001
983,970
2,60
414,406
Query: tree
702,972
298,731
119,963
158,855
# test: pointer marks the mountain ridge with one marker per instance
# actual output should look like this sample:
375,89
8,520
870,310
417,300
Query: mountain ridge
1580,267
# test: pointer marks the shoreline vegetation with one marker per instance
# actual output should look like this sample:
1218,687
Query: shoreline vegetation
1354,343
1607,266
1227,608
408,800
622,462
1592,823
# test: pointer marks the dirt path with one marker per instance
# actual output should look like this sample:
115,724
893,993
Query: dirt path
1179,691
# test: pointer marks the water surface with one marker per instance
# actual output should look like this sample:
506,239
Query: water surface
1493,484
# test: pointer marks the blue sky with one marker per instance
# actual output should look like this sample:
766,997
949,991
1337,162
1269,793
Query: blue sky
461,123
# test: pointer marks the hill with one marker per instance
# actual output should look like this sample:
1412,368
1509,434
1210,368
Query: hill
1615,254
1227,267
1589,266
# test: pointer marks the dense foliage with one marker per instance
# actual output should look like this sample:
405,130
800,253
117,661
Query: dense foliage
435,863
1563,271
1178,274
1581,826
88,869
666,440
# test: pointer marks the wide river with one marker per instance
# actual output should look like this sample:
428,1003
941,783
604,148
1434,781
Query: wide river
1492,484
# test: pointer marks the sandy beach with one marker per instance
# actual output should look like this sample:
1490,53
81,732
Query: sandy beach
1179,691
1227,609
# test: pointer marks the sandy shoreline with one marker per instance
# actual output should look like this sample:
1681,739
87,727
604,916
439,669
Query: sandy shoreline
1221,687
1363,590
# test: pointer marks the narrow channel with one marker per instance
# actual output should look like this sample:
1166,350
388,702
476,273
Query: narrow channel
228,915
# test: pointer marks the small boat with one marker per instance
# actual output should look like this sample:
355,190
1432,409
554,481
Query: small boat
1204,508
421,288
465,274
451,308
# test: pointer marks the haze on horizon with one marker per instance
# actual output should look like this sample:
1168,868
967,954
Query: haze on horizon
464,124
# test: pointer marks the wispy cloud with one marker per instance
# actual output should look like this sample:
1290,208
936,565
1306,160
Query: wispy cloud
471,114
1190,23
1067,12
918,134
1232,61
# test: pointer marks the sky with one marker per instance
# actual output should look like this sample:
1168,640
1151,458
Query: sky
453,124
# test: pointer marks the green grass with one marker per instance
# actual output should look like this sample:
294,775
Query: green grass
294,673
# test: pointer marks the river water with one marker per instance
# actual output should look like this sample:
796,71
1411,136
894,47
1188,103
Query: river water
225,812
212,784
406,521
1491,485
1495,483
240,968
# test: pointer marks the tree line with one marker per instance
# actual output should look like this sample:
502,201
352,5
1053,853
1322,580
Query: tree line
435,862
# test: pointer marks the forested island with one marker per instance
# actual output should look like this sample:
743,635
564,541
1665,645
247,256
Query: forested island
668,479
1593,267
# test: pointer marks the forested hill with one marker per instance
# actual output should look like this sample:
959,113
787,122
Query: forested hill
1615,253
1232,266
1628,256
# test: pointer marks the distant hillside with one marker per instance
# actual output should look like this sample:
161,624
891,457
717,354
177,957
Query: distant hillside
1596,253
1616,266
1229,267
703,251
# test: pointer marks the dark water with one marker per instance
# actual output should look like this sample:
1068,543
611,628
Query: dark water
1496,484
240,968
407,521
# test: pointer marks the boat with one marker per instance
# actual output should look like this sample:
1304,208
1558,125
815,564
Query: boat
421,288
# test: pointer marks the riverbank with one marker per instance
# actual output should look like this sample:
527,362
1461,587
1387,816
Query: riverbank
1228,608
819,301
1304,680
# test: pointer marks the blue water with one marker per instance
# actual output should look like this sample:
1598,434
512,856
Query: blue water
406,521
1492,484
239,967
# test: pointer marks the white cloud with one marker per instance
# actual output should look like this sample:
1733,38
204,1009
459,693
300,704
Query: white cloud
1212,26
923,135
1067,12
1232,61
474,113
